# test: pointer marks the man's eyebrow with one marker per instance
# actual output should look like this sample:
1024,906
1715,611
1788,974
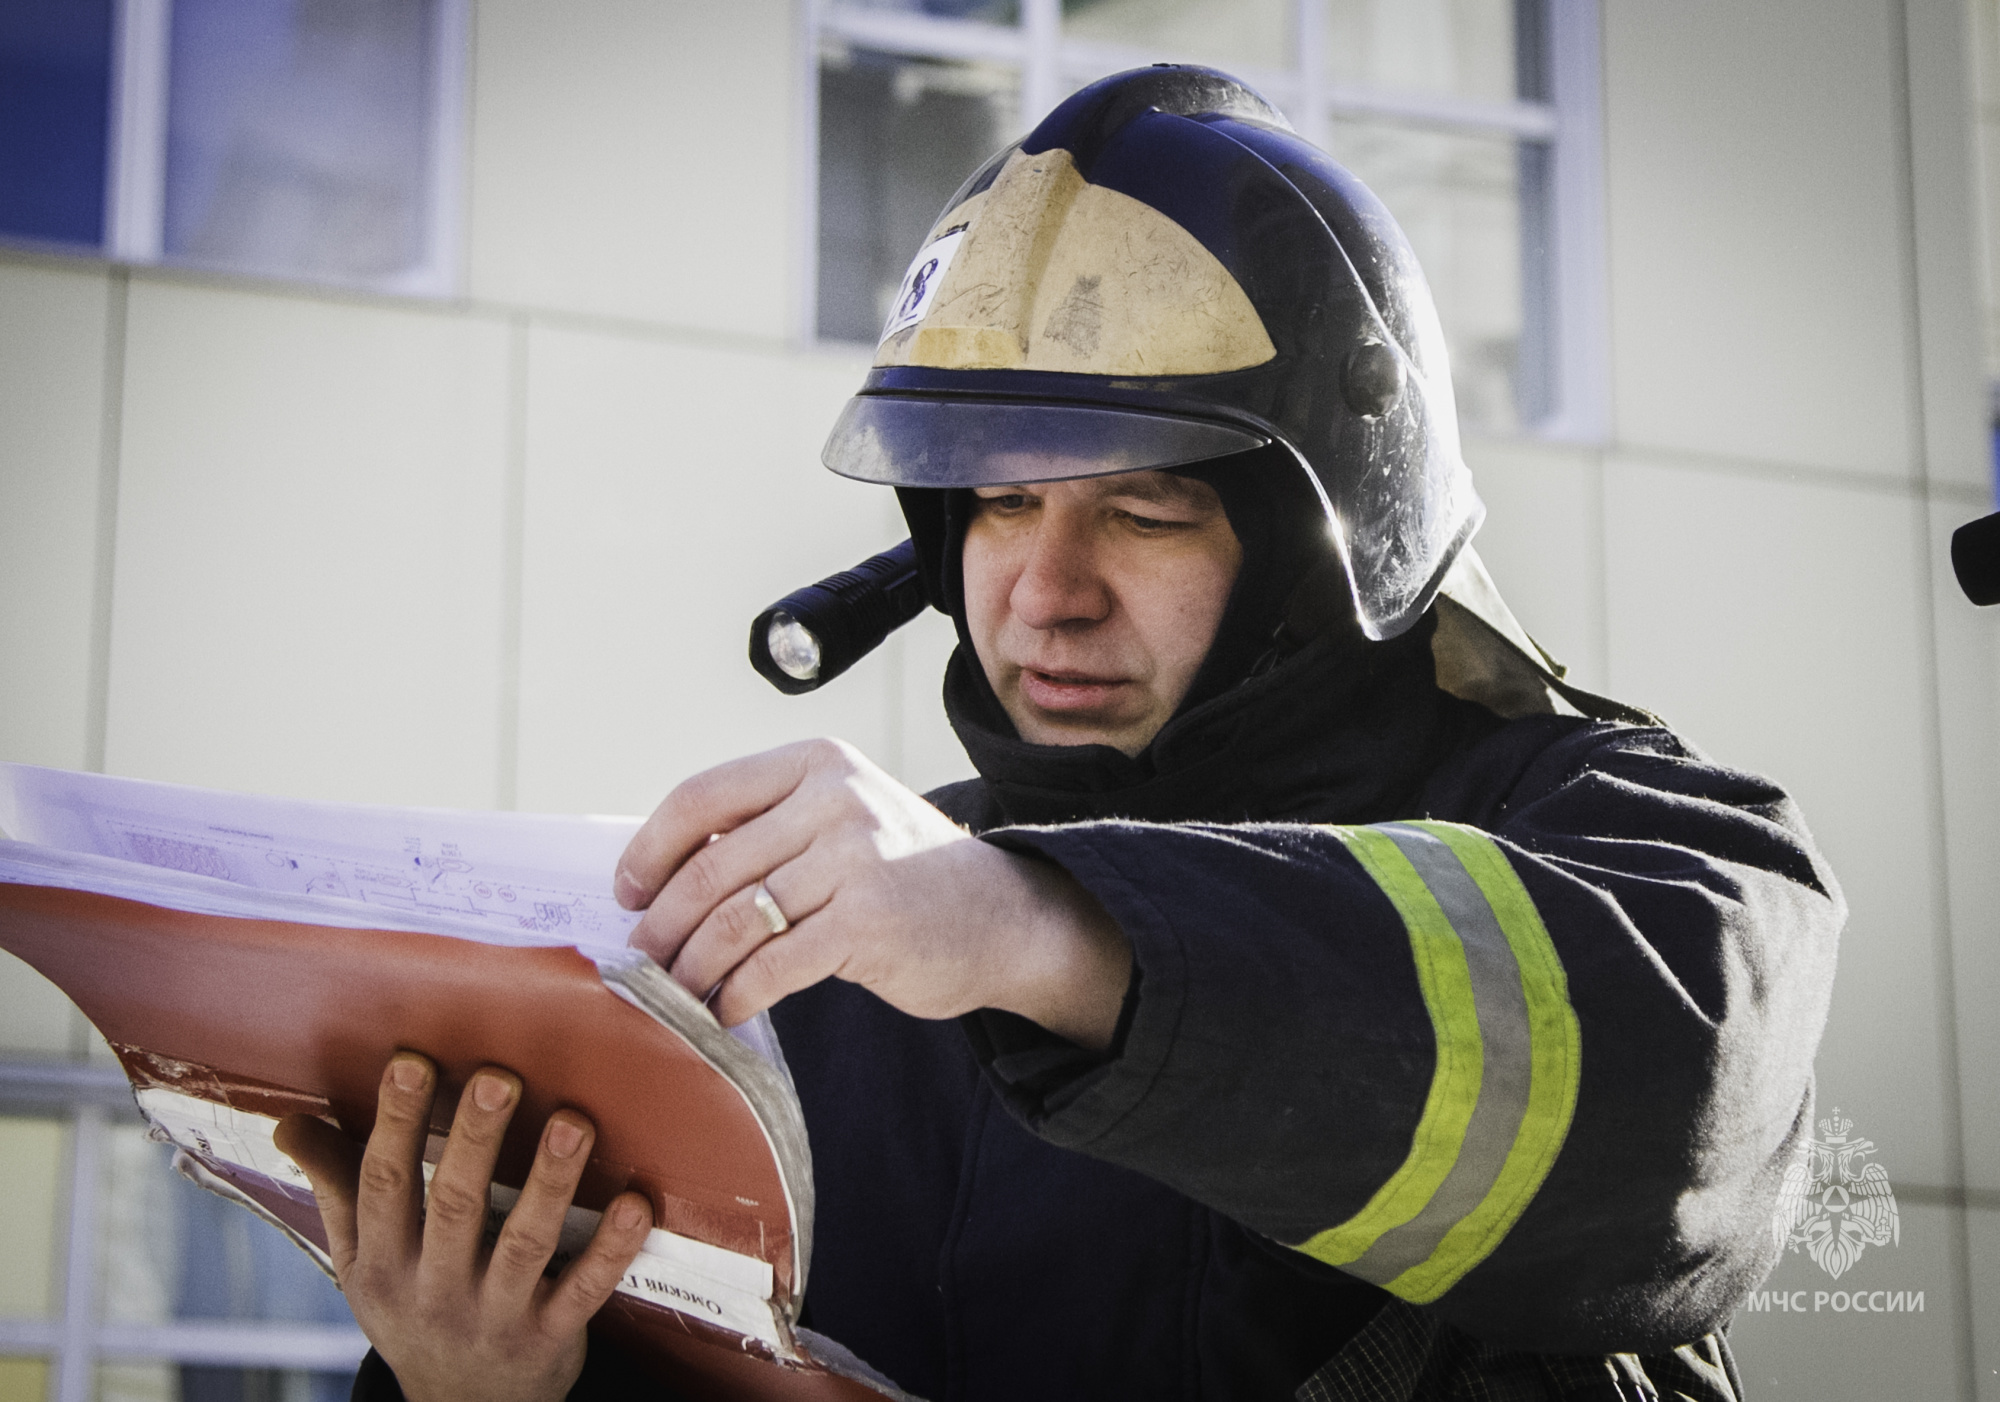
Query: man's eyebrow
1161,487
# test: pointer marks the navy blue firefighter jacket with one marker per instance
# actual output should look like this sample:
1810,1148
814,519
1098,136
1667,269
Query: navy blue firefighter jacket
1442,1027
1510,1021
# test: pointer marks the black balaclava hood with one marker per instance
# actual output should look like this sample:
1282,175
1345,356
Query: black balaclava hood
1282,528
1281,721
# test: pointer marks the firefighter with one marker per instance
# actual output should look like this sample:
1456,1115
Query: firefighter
1314,993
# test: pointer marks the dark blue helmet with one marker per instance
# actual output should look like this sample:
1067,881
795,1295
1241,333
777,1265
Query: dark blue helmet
1162,273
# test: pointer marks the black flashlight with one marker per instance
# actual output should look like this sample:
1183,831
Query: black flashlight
812,635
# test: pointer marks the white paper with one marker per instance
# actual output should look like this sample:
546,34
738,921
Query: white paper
221,1134
499,878
711,1283
514,875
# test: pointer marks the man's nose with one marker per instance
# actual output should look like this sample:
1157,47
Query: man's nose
1059,584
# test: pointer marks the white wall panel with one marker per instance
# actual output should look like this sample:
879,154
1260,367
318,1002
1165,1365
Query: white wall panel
308,587
35,1015
1777,626
1988,178
52,343
1982,1239
1543,544
673,492
632,158
1757,232
1827,1352
1944,229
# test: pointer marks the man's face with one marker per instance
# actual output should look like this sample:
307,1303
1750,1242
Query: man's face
1091,603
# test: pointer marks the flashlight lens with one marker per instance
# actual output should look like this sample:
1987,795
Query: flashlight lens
793,647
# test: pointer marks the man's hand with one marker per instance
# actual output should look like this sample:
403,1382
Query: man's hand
880,888
450,1317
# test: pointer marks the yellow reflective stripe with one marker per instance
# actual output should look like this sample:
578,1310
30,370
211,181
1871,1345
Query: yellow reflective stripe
1557,1059
1447,988
1486,1140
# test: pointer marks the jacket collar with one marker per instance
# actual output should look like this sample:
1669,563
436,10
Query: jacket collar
1342,730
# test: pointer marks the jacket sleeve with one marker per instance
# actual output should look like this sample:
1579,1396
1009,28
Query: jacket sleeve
1543,1076
609,1375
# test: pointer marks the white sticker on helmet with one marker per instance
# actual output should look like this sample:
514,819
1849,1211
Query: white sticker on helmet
921,282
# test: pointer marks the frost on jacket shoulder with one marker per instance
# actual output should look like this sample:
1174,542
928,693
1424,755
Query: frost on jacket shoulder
1534,1059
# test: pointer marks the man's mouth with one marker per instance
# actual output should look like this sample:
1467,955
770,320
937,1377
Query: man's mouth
1068,691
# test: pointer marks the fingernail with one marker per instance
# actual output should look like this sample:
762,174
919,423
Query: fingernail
626,1216
492,1093
408,1073
563,1138
630,893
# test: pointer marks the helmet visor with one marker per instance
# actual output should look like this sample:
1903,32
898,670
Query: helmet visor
923,442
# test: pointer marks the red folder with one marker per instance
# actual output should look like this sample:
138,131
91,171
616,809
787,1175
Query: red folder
267,1018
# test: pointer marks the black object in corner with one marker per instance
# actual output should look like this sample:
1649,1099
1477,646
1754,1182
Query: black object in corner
1975,559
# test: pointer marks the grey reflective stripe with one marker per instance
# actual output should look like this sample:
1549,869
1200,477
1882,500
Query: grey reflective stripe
1506,1072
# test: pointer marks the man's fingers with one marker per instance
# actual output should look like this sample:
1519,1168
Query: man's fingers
732,932
333,1162
583,1288
735,929
455,1215
807,954
534,1225
389,1199
716,874
715,801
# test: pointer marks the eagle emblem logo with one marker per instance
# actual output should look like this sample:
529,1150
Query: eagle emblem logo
1835,1203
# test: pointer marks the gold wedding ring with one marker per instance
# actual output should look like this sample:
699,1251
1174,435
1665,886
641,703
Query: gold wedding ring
774,918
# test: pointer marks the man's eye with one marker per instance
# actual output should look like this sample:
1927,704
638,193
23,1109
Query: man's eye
1012,501
1150,525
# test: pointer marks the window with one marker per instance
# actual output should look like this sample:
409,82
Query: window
125,1283
1475,121
309,139
55,92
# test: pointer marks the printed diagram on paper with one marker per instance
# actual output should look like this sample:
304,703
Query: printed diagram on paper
539,878
428,877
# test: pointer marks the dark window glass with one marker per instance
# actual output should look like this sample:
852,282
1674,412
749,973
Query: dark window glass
55,112
171,1251
1476,206
1531,50
298,136
201,1383
1458,198
991,11
1461,47
1536,393
1257,33
234,1266
896,137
